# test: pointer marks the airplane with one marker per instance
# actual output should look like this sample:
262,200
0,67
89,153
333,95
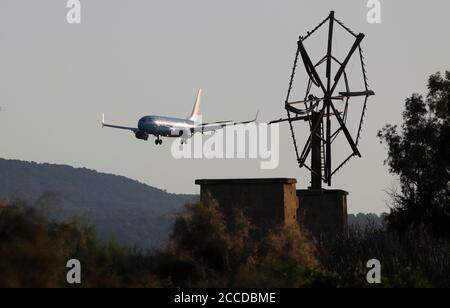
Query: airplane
161,126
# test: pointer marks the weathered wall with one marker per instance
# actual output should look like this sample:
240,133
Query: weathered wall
323,211
267,202
276,202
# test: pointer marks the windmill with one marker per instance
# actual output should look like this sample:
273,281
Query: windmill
327,114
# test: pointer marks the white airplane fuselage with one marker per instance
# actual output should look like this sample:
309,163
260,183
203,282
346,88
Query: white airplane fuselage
161,126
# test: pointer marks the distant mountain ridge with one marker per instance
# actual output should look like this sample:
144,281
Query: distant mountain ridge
131,212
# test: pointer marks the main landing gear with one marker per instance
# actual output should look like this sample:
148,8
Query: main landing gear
158,141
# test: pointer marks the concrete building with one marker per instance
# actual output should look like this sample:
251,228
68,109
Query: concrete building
272,202
323,211
267,202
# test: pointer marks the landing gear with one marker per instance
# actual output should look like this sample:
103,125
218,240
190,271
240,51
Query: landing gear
158,141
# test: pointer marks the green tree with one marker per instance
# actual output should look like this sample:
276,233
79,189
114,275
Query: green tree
419,153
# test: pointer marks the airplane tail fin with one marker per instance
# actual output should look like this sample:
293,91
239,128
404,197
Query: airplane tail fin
196,113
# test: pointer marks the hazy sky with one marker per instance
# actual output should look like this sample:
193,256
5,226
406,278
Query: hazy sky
133,58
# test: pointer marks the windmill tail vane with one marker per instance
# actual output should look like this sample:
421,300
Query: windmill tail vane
319,111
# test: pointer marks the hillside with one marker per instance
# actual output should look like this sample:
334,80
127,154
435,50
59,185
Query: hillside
132,213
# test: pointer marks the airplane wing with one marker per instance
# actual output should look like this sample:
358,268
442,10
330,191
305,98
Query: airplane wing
133,129
210,127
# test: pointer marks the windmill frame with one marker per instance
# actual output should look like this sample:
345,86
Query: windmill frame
321,137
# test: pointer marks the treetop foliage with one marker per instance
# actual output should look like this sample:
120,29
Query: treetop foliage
419,153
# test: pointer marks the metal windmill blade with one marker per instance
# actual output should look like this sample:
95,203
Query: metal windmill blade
319,111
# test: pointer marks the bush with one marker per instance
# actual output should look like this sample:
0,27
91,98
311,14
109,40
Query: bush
228,255
413,259
34,253
208,250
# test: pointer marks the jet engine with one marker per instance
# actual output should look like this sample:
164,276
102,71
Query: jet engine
141,135
183,133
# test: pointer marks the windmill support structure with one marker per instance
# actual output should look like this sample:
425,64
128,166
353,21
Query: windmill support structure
322,211
319,207
278,201
316,152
